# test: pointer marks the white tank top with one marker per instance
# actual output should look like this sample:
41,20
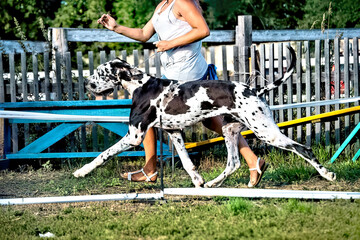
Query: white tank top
180,63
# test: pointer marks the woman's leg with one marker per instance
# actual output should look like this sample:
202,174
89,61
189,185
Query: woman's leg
150,158
215,124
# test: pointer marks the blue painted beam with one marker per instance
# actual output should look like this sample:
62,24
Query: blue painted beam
121,129
112,112
357,155
345,143
73,155
50,138
67,104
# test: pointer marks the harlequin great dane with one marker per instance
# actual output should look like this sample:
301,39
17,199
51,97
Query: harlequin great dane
175,105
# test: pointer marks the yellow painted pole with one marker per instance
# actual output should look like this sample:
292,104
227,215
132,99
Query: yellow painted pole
313,119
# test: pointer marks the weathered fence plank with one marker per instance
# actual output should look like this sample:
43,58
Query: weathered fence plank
47,75
356,80
327,70
14,126
16,47
280,74
236,64
69,83
346,82
317,87
244,41
290,94
308,90
58,76
36,76
2,84
262,36
299,87
216,36
224,63
337,87
271,72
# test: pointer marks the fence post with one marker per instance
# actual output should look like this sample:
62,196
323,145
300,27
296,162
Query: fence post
243,41
59,41
59,48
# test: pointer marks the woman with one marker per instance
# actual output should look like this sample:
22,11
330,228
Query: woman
180,27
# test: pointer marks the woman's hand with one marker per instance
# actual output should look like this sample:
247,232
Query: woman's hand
163,46
107,21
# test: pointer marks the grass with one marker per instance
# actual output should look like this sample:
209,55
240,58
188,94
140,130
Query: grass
190,219
183,217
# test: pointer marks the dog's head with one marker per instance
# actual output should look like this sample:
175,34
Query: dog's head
110,74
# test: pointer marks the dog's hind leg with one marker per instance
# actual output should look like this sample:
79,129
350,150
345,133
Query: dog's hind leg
231,134
178,142
273,136
309,156
127,142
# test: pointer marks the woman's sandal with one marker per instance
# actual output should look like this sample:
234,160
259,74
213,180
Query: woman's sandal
148,178
260,171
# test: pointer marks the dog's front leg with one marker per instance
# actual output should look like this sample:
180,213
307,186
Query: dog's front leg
231,134
178,142
124,144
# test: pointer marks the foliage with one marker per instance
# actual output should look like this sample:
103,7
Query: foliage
28,14
79,13
267,14
330,14
220,14
134,13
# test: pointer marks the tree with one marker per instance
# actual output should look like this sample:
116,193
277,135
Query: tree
328,14
79,13
134,13
267,14
84,14
28,14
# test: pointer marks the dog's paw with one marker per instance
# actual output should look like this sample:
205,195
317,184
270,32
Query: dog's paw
79,173
331,176
199,184
198,181
213,184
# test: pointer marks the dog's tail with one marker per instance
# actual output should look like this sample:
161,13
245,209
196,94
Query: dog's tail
278,82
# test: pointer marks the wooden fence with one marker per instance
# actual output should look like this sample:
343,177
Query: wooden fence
327,68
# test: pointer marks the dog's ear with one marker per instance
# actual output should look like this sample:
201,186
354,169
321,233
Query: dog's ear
118,63
124,74
121,69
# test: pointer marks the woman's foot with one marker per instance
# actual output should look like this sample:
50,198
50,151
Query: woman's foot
257,173
140,176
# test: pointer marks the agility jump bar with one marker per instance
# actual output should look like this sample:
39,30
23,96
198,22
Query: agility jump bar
323,117
64,117
60,117
315,103
83,198
201,192
262,193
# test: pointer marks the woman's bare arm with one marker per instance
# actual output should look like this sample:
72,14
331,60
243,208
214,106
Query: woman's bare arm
186,10
139,34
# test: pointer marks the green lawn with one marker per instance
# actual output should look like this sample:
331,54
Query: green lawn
183,217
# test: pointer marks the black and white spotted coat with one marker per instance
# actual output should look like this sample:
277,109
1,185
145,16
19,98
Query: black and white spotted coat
181,104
